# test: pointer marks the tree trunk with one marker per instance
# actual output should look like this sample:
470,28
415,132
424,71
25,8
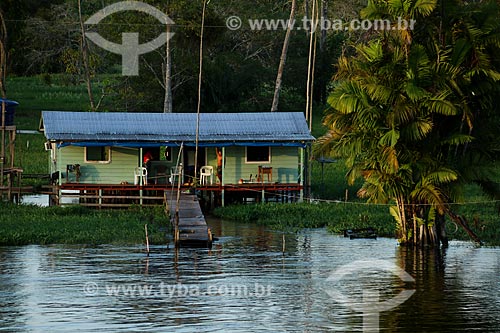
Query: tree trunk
307,15
284,52
441,230
167,105
460,220
421,239
198,110
402,220
313,71
309,67
85,58
433,234
324,17
3,75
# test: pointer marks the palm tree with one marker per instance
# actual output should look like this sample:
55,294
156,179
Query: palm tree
397,117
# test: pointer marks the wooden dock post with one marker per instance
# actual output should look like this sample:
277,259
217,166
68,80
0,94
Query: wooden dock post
190,227
147,238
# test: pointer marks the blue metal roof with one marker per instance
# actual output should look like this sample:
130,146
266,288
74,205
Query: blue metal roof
175,127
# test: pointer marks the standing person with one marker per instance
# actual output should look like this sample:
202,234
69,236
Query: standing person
146,161
219,163
147,158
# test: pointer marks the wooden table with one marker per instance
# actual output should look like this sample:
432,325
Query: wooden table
265,170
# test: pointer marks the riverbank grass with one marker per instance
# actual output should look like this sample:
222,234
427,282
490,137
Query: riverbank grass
29,224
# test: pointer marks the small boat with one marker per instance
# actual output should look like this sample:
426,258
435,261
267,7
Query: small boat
368,233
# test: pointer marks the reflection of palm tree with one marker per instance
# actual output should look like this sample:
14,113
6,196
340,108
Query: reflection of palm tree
396,115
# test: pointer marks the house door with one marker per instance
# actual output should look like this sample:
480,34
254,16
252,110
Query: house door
189,157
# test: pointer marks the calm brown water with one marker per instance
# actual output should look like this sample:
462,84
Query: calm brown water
245,284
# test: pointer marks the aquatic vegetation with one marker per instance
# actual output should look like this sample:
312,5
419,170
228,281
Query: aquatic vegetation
335,216
27,224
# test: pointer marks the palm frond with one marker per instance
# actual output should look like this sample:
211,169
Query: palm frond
441,176
414,92
390,138
347,98
440,105
457,139
389,159
423,8
417,129
430,194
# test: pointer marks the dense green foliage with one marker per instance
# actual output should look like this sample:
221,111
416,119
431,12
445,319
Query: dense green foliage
414,113
48,92
239,67
22,225
35,94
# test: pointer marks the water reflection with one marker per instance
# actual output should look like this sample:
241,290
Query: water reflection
458,289
46,288
35,199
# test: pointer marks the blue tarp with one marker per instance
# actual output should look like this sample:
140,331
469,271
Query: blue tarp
10,109
8,102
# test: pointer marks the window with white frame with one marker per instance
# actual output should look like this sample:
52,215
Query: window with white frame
99,155
258,154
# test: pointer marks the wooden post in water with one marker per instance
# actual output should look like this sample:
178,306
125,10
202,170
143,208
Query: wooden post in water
302,174
147,238
284,243
176,230
141,180
223,180
99,193
165,202
176,236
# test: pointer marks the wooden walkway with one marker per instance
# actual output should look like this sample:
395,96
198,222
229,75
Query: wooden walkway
192,229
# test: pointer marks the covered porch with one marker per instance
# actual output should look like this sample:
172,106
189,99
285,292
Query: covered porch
231,162
123,196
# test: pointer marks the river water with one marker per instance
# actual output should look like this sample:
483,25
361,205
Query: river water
246,283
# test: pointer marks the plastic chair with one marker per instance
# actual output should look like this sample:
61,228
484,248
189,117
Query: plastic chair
206,172
176,172
141,172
